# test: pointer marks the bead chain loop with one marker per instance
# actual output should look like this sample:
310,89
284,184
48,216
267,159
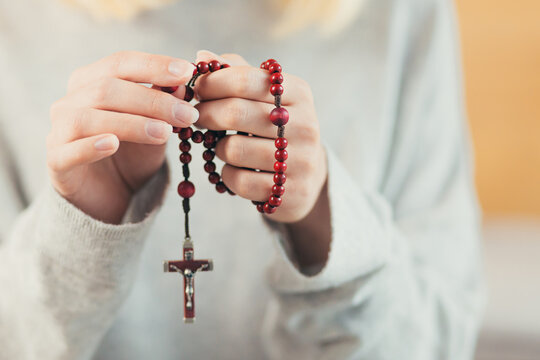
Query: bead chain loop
279,116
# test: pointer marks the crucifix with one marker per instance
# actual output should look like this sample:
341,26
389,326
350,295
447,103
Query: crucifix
188,267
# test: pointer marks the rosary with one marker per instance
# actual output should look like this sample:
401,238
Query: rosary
279,116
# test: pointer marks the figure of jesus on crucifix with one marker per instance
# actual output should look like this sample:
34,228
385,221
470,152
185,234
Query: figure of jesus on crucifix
188,267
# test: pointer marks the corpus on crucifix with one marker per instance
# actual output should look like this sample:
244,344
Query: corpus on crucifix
188,267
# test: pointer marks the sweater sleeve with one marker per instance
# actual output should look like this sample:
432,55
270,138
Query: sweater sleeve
63,274
403,277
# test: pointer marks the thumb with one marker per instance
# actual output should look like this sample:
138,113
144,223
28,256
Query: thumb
231,59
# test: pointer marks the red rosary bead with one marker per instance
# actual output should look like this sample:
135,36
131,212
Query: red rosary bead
175,129
274,201
186,189
185,158
278,190
220,187
184,146
269,209
280,166
268,62
208,155
210,167
260,207
185,133
279,179
209,137
214,178
214,65
197,137
279,116
274,68
281,155
276,89
224,66
202,67
281,143
276,78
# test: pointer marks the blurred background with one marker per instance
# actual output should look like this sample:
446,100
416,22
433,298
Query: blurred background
501,54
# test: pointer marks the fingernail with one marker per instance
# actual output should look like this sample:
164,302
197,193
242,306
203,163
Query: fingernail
106,143
158,129
180,68
185,113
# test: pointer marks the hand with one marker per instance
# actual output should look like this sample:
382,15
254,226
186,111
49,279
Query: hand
109,132
238,98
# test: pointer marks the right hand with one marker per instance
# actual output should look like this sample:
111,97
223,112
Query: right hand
109,132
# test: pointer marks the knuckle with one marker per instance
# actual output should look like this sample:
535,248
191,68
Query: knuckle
236,113
55,109
52,162
117,59
309,131
242,85
234,150
74,79
100,92
305,164
304,89
155,104
80,121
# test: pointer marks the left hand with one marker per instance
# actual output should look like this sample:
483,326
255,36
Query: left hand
238,98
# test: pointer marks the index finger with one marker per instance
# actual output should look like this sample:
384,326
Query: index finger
136,67
249,83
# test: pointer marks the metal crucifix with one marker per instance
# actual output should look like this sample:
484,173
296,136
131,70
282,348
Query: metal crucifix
188,267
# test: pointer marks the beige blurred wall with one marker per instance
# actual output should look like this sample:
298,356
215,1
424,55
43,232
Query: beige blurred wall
501,52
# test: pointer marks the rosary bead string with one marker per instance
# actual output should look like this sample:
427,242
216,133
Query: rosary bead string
279,116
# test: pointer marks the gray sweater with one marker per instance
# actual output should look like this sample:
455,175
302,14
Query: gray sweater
402,280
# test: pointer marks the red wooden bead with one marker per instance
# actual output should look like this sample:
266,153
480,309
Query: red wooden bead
224,66
208,155
203,67
214,178
276,78
185,133
197,136
196,70
274,201
281,143
268,62
263,65
185,158
278,190
279,179
220,187
209,136
279,116
260,208
269,209
274,68
169,89
210,167
186,189
184,146
281,155
176,129
280,166
214,65
209,145
276,89
188,95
